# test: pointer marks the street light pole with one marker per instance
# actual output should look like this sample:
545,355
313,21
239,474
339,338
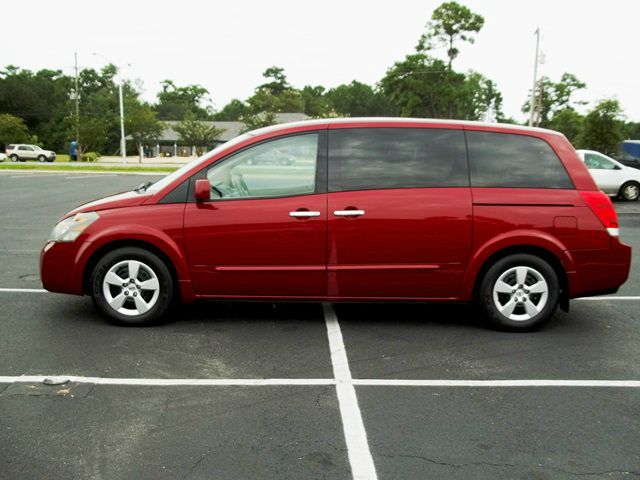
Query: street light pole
123,142
535,78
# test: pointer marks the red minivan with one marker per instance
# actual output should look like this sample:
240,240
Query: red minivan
353,209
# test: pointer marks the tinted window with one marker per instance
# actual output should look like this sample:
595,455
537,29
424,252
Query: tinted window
509,160
22,147
374,158
282,167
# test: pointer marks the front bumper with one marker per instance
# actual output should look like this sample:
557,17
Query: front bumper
59,268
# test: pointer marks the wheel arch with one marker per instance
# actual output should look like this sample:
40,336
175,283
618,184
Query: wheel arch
116,244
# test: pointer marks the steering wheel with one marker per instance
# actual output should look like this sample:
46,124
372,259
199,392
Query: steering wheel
238,182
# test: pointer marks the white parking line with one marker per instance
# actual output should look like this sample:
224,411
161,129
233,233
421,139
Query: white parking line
375,382
362,466
167,382
621,297
25,290
498,383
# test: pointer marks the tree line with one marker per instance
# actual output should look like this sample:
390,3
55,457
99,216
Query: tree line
39,107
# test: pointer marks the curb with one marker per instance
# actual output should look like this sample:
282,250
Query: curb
75,172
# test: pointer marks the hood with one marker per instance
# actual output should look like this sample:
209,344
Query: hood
125,199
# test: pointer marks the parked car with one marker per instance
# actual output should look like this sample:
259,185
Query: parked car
611,176
22,152
630,153
3,157
504,216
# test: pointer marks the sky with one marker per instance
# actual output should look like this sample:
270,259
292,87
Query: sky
225,46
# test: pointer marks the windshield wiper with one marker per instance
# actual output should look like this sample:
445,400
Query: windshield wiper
142,187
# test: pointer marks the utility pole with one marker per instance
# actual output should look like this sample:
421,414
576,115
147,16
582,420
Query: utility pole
123,142
535,78
77,95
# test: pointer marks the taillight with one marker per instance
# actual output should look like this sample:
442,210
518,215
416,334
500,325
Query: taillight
601,205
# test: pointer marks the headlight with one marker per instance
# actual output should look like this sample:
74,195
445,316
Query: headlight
70,228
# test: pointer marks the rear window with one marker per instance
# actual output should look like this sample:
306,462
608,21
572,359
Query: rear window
378,158
509,160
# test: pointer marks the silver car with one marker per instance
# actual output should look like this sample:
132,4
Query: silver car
22,152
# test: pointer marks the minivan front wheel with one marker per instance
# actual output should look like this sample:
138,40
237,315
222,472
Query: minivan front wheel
519,292
132,286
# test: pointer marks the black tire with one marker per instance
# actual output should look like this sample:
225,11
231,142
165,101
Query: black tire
487,304
42,158
150,260
14,157
626,195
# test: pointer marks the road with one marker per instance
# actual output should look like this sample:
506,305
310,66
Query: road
189,399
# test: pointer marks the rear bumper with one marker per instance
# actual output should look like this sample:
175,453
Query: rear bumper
600,272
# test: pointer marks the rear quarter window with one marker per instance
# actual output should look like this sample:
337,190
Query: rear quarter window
514,161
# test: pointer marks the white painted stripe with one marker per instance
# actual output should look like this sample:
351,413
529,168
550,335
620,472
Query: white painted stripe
497,383
78,177
25,290
360,459
260,382
167,382
37,175
621,297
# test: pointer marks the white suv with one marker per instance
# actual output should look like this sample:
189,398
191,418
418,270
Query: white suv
22,152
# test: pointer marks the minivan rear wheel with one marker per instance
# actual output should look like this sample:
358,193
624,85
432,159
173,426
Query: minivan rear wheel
132,286
519,292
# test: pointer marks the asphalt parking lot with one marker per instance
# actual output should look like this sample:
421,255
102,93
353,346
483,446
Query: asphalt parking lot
293,391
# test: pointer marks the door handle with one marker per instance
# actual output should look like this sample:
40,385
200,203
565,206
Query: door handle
303,214
348,213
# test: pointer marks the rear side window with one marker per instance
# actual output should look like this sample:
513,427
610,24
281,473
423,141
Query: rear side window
509,160
377,158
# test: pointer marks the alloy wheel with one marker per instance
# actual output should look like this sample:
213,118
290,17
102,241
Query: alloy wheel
131,287
520,293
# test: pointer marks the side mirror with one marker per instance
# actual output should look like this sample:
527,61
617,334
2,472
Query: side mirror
202,190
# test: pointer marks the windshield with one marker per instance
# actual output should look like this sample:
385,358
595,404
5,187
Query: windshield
193,166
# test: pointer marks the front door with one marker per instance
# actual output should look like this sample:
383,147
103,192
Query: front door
263,233
400,213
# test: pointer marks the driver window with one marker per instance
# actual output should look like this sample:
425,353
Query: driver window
598,162
277,168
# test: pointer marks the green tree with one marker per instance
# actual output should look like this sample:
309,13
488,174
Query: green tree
423,86
555,97
12,130
253,121
631,131
569,122
356,99
94,132
177,102
451,23
197,133
142,125
314,101
41,99
277,83
602,130
232,111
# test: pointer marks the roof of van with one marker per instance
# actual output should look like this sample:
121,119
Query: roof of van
404,120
